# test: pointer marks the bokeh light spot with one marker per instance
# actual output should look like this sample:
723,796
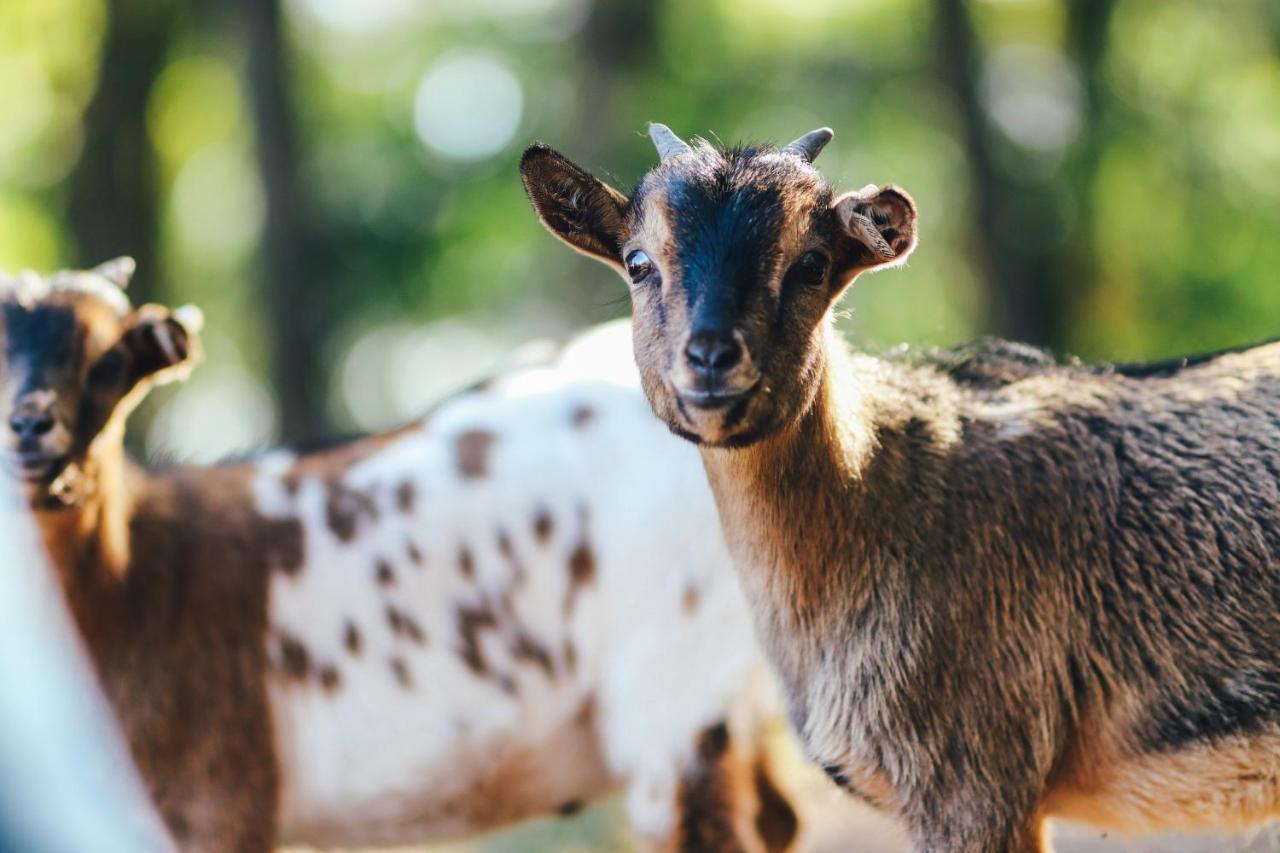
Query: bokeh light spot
468,106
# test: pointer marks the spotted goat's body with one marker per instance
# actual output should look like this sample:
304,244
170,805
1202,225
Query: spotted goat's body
512,607
500,612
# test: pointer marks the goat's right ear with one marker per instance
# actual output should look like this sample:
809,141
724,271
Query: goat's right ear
575,206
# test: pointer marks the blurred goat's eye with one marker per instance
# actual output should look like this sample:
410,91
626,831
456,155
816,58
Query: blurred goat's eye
638,266
811,268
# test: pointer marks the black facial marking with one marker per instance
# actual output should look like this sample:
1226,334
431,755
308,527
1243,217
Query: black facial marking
736,413
728,223
40,342
684,409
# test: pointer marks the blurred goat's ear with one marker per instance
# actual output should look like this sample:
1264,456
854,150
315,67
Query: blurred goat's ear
574,205
878,229
156,346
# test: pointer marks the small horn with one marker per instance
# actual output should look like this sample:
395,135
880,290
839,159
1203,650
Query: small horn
809,146
667,143
118,271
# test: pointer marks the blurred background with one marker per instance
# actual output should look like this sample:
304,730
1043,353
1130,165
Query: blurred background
335,181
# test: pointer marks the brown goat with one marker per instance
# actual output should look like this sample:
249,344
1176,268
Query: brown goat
997,589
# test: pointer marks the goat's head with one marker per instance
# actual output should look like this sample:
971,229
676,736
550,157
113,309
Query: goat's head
75,358
734,258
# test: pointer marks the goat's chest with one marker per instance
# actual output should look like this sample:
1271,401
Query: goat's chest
839,697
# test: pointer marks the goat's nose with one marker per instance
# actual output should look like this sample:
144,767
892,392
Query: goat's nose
31,422
713,352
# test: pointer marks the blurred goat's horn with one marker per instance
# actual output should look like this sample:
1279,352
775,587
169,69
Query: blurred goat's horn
118,271
667,143
811,144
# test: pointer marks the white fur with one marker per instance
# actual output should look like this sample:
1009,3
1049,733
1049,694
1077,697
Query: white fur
374,761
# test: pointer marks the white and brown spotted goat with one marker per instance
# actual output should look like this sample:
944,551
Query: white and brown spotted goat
996,588
517,605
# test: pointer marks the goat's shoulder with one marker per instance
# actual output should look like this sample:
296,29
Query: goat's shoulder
989,363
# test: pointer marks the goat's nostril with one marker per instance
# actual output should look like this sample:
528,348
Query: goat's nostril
41,423
713,352
30,425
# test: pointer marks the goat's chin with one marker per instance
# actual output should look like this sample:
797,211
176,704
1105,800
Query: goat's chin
736,425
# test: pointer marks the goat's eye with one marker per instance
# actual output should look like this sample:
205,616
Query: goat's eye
638,266
811,268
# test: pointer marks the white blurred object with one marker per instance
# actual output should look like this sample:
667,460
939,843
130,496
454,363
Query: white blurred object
468,106
1033,94
65,780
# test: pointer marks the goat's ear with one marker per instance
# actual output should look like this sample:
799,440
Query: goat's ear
156,346
118,271
878,229
575,206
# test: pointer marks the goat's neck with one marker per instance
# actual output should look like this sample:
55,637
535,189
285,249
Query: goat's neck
88,541
791,503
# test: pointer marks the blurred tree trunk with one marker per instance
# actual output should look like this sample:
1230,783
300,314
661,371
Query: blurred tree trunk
1033,238
1020,300
294,285
113,192
619,40
1088,33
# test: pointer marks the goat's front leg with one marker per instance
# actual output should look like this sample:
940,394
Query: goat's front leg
728,800
978,830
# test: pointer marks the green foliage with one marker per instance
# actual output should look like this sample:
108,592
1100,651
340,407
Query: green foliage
1158,199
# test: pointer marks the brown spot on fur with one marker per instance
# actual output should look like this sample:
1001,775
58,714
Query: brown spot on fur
386,577
586,716
351,638
570,656
472,448
401,671
582,416
285,543
531,651
412,552
466,563
294,659
706,796
689,602
776,820
582,571
404,624
508,553
542,525
344,509
471,621
405,496
329,678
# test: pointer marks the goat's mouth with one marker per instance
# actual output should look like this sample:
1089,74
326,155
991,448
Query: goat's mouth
36,467
716,399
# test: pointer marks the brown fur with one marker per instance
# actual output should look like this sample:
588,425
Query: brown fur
995,588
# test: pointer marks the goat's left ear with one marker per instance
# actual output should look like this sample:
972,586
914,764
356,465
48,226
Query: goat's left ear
162,345
878,229
574,205
157,346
